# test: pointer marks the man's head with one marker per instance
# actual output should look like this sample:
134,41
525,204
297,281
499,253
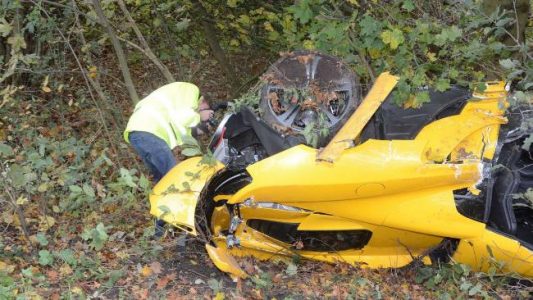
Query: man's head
205,110
206,113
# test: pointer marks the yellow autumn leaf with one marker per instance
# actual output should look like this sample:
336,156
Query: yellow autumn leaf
146,271
309,45
411,103
431,56
268,26
46,89
92,71
65,269
219,296
46,222
123,254
4,267
22,200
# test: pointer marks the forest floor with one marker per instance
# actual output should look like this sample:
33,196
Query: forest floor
103,247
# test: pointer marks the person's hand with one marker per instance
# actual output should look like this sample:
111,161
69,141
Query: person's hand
206,114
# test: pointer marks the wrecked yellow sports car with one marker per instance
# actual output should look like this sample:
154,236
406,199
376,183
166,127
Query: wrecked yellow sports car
446,181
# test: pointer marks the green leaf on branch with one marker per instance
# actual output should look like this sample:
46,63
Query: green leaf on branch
421,98
448,35
5,27
508,63
442,84
302,11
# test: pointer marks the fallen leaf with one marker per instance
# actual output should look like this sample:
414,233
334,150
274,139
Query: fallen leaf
146,271
162,283
53,275
65,269
4,267
174,296
156,267
22,200
46,222
219,296
46,89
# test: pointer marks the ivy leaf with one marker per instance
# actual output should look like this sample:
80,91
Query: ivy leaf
17,42
408,5
393,38
448,35
369,26
421,97
16,173
476,289
5,150
183,24
442,84
302,11
503,22
5,28
127,178
508,63
45,258
67,255
232,3
453,33
41,239
88,190
292,269
98,236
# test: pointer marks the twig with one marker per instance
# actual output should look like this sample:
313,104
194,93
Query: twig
146,48
85,77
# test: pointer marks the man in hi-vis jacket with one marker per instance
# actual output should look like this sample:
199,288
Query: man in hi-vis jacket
161,120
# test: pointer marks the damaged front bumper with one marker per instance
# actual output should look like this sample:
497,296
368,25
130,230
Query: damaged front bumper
174,198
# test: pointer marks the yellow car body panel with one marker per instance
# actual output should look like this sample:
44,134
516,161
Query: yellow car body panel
353,127
175,196
493,250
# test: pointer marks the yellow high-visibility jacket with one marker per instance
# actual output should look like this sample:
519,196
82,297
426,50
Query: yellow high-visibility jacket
168,112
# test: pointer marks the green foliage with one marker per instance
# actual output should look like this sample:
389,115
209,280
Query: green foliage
97,236
457,276
45,257
435,49
292,269
190,146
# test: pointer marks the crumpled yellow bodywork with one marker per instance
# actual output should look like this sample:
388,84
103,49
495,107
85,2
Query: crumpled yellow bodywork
174,198
400,190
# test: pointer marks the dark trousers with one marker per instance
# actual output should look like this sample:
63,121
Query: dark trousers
155,153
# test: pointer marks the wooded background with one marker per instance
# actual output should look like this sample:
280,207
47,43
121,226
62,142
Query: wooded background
71,72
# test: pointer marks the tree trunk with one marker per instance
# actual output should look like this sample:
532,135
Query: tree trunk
211,37
164,70
123,64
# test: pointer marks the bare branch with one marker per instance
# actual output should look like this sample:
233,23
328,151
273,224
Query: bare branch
146,48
